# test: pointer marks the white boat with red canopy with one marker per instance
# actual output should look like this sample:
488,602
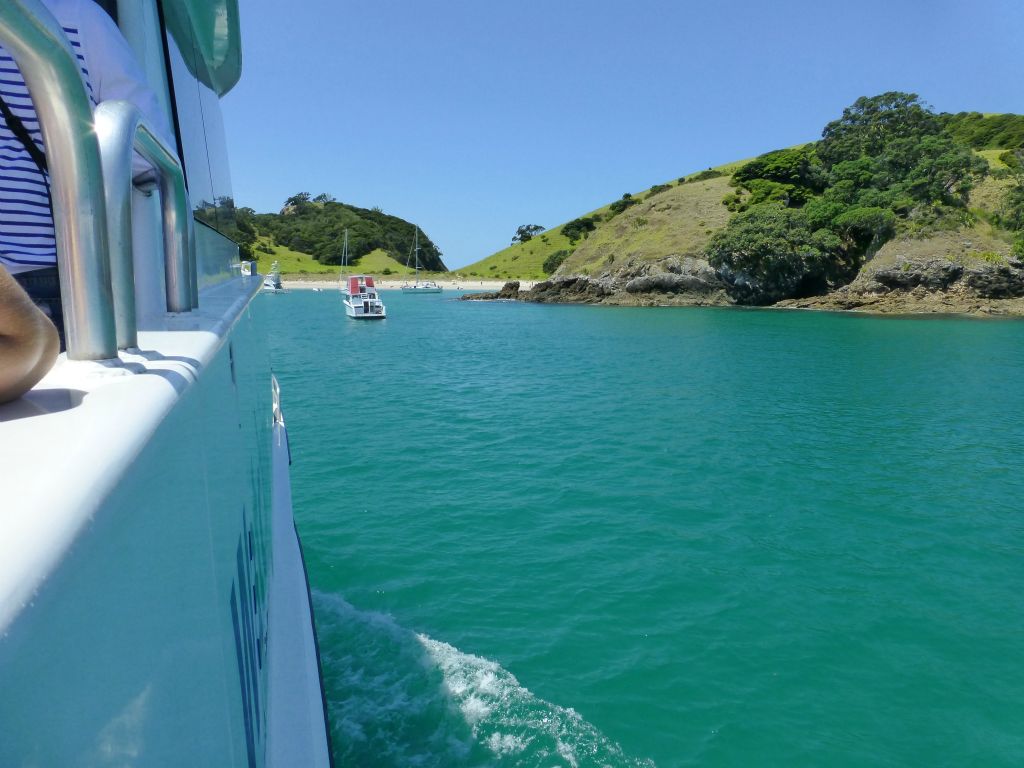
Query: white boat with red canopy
361,299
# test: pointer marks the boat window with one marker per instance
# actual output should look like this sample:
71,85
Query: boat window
203,144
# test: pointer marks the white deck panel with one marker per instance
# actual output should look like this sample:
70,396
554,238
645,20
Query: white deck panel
65,445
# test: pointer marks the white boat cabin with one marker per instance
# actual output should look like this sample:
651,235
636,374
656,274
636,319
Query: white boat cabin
361,299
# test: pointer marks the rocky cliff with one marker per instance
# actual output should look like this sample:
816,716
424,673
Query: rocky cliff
672,281
969,272
963,272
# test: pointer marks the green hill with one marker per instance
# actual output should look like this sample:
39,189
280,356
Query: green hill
802,220
307,236
377,262
675,217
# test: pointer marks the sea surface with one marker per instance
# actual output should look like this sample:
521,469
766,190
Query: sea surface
547,536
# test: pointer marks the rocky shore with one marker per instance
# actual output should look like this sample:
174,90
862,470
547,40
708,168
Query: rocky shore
952,273
673,281
904,279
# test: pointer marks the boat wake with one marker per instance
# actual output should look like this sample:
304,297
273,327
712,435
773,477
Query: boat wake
397,698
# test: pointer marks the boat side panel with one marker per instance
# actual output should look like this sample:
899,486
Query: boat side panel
217,258
147,645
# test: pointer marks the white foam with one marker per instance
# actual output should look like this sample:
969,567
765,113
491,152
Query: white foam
474,709
505,717
397,698
505,744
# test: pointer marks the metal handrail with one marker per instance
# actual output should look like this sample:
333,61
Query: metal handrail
35,39
122,128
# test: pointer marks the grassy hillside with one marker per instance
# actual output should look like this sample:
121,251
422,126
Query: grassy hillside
317,227
677,219
680,218
291,262
377,262
522,261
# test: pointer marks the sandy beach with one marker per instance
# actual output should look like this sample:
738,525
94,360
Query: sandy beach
312,283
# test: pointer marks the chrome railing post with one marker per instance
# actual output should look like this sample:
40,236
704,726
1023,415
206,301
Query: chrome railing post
193,275
122,129
116,136
37,43
179,241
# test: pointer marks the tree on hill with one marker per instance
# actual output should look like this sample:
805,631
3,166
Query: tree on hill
297,201
580,227
770,253
554,261
319,230
811,215
526,232
986,131
623,203
871,124
1011,212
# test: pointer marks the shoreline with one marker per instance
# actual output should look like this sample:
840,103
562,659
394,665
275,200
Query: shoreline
313,282
938,304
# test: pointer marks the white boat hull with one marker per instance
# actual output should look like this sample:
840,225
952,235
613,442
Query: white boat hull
361,299
149,569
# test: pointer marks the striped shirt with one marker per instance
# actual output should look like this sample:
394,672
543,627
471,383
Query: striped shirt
109,71
26,221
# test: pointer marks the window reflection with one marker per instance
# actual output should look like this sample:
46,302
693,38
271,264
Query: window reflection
204,146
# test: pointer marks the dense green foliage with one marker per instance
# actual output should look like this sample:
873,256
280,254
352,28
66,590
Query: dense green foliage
1011,212
578,228
620,205
770,252
317,226
710,173
798,167
554,261
808,216
657,189
980,131
870,126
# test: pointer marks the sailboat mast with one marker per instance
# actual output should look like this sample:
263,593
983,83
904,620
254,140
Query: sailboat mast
416,248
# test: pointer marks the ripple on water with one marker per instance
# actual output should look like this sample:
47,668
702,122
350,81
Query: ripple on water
700,537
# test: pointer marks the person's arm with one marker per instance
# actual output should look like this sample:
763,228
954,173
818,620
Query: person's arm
28,340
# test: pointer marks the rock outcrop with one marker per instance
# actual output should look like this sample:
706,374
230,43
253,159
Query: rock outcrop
672,281
577,289
941,274
509,292
992,285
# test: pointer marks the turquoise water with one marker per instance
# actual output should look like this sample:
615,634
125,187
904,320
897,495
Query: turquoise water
575,536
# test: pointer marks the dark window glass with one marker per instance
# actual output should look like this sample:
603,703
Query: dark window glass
204,146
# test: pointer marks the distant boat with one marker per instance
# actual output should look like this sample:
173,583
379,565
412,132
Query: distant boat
358,292
418,286
272,282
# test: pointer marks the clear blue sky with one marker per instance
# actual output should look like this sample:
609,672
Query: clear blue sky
471,117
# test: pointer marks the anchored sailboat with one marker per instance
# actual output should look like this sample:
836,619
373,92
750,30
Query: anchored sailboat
418,286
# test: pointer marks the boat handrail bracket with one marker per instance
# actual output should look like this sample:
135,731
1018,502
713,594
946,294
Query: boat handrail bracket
34,38
122,130
91,182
